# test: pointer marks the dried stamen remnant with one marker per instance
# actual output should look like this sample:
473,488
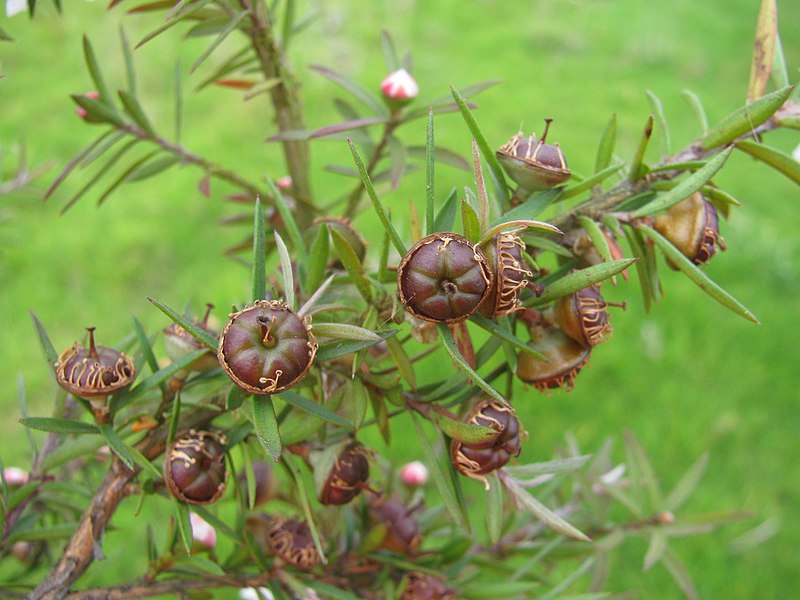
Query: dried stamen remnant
504,252
347,476
583,316
534,165
291,540
443,278
266,348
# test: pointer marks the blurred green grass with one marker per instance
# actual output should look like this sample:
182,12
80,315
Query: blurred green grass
687,378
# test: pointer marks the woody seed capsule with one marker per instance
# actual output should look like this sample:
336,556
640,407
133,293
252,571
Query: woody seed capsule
565,358
504,253
583,316
692,225
194,467
534,165
291,540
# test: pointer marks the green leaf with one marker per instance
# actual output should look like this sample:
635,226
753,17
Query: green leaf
328,591
318,259
266,424
480,187
498,179
446,217
175,17
124,176
605,151
494,509
764,49
688,483
314,409
655,548
97,75
174,419
135,111
286,270
697,276
547,245
48,350
337,349
116,445
376,203
499,589
470,223
153,168
526,501
344,331
780,161
144,345
685,188
693,100
235,398
5,36
402,361
233,23
648,281
779,73
389,52
643,475
504,335
745,119
353,88
658,110
680,574
590,182
178,87
144,463
259,273
289,222
440,478
452,349
430,196
193,329
352,264
636,170
559,465
457,429
303,494
53,532
518,224
184,525
582,278
98,110
595,234
532,207
59,425
113,135
130,71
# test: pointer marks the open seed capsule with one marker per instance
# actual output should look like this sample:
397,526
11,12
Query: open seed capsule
291,540
402,531
692,225
534,165
443,278
178,343
346,476
565,358
504,253
583,316
194,467
422,586
477,460
266,348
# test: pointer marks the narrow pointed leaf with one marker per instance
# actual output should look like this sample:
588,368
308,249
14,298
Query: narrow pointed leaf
582,278
588,183
605,151
446,218
504,335
303,496
174,18
451,347
153,168
96,74
352,264
125,176
399,161
355,89
763,49
459,430
494,509
524,500
532,207
184,525
745,119
98,110
698,276
470,223
286,270
637,164
235,398
233,23
693,100
135,111
440,478
780,161
116,445
389,52
328,130
655,549
480,187
688,483
518,224
595,234
194,330
314,409
318,259
685,188
48,350
641,470
174,419
59,425
658,110
259,273
344,331
498,179
430,198
341,348
559,465
74,163
376,203
646,278
130,71
266,424
144,345
779,73
402,361
680,574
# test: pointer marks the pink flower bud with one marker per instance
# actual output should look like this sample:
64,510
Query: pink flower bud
202,532
399,86
82,111
284,183
15,476
414,473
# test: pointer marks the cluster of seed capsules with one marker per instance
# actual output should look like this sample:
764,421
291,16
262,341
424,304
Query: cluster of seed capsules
444,278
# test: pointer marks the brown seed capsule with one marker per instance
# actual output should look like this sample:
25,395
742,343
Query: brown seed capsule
178,343
565,358
534,165
402,531
443,278
692,226
291,540
194,467
347,475
504,253
266,484
93,372
583,316
421,586
266,348
477,460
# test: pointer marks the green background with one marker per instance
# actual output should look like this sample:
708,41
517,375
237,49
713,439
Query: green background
688,378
